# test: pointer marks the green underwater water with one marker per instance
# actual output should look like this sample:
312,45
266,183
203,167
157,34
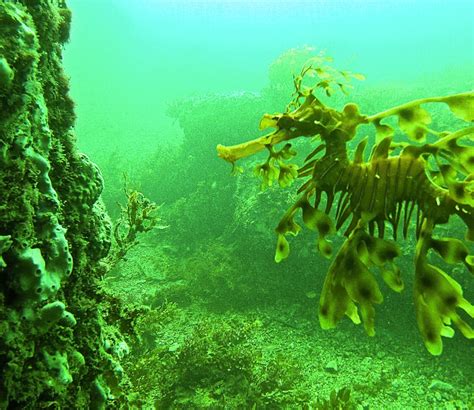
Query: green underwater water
157,85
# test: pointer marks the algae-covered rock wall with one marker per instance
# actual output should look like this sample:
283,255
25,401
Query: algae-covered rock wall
56,349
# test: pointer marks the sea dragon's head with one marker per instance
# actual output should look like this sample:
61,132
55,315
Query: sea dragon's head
306,115
311,118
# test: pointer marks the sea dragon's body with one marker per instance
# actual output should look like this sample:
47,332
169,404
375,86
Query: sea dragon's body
435,179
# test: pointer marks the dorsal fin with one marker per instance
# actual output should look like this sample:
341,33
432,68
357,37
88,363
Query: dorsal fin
381,149
359,153
318,149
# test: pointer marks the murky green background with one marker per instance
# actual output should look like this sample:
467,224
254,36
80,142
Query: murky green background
157,85
127,62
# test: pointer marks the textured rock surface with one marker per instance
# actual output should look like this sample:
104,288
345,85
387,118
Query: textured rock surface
56,348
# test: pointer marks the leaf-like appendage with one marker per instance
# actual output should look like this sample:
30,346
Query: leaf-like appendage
413,122
288,225
267,121
269,173
287,174
462,106
357,76
393,278
382,131
462,192
464,154
437,296
286,152
282,249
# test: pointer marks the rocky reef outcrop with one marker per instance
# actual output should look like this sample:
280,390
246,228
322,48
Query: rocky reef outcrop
56,347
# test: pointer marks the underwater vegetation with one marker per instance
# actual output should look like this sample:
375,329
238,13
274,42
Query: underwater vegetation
411,167
137,216
216,363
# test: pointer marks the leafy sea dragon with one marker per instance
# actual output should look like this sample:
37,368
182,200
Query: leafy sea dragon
426,183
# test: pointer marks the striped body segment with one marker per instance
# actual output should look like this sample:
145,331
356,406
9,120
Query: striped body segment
383,189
